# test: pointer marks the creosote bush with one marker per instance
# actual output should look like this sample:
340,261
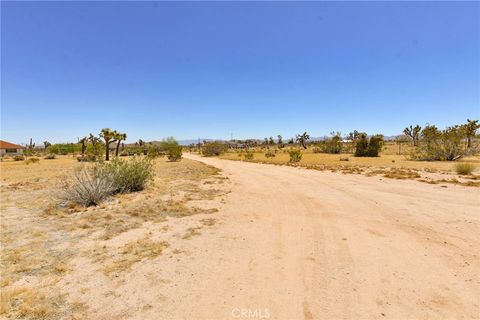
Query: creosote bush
269,154
215,148
90,185
131,175
174,153
18,158
50,156
295,155
368,147
248,155
464,168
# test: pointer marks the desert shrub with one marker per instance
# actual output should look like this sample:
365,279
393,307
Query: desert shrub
464,168
87,158
50,156
317,150
333,145
169,147
248,155
174,153
129,176
32,160
295,155
89,186
18,158
95,152
214,148
65,148
368,147
269,154
344,159
124,153
442,145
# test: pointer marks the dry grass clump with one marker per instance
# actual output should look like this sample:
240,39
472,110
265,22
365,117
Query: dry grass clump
191,232
88,186
32,160
402,174
134,252
464,168
208,221
29,303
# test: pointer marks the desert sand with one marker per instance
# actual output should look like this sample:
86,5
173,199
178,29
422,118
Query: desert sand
285,243
298,243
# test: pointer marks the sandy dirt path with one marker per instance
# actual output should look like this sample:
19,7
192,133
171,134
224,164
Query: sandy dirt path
305,244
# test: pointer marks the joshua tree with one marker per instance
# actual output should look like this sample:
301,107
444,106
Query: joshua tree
144,145
84,141
302,139
94,140
280,141
120,137
109,136
470,129
271,141
46,144
414,133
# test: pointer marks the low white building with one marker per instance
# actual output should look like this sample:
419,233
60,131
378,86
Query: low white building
10,149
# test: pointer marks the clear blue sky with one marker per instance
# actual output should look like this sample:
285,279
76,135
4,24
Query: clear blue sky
207,69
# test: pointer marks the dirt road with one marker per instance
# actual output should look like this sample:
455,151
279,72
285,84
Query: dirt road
296,243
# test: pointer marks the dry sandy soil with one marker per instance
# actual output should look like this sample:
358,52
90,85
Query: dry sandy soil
286,243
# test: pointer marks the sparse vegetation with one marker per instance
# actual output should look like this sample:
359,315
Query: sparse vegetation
128,175
295,155
442,145
248,155
333,144
50,156
91,185
269,154
368,147
464,168
214,148
18,158
32,160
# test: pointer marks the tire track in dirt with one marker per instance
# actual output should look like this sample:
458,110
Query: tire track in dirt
323,245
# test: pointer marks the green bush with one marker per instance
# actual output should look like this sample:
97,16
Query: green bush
129,175
464,168
269,154
248,155
215,148
295,155
333,145
65,148
365,147
18,158
441,145
174,153
92,184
